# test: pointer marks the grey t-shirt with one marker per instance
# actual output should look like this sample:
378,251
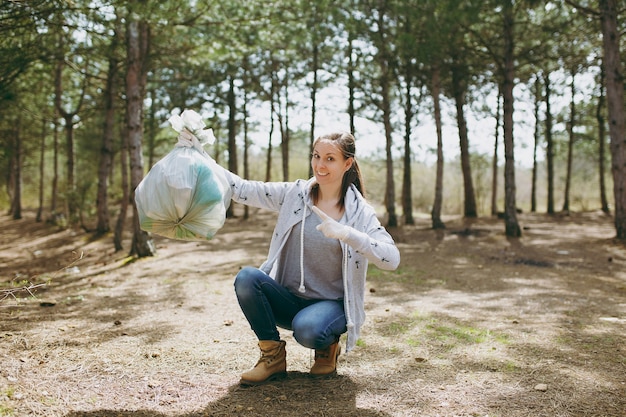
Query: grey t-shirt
322,263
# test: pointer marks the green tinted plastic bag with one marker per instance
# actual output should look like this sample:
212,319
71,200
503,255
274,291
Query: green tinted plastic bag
183,196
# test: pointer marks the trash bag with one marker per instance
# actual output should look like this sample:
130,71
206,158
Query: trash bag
184,196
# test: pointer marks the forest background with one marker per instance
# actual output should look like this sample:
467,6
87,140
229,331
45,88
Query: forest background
87,87
464,111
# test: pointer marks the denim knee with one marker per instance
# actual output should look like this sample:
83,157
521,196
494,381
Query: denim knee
308,333
306,337
245,281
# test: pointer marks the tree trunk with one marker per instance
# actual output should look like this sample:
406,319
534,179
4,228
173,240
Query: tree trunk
383,58
570,147
152,128
70,184
407,196
268,161
268,157
284,132
137,49
615,102
512,228
533,190
549,146
68,117
55,166
232,135
42,153
435,214
351,81
468,184
106,151
16,201
601,143
118,236
314,88
246,141
494,163
58,91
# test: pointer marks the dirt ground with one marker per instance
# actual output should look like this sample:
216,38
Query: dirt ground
471,324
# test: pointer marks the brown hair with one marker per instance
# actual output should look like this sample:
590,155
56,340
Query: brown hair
346,143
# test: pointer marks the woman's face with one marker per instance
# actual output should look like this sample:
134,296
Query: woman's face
328,163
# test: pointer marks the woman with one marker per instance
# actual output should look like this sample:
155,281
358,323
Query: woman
313,281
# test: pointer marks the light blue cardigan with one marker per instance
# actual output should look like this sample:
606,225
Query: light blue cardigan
367,242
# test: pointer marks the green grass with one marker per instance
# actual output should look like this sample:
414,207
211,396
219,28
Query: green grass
420,330
465,334
6,411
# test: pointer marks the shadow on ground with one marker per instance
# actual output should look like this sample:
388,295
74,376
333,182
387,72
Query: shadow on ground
297,395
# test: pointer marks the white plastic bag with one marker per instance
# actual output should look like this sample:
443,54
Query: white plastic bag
184,196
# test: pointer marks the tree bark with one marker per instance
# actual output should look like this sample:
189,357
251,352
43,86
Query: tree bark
383,58
17,156
137,50
468,184
284,132
615,104
106,151
118,236
351,82
602,143
494,163
55,166
549,146
512,228
570,147
435,214
232,135
533,190
246,141
268,161
68,117
407,196
314,87
42,153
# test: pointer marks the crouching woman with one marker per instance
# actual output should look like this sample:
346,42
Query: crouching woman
313,281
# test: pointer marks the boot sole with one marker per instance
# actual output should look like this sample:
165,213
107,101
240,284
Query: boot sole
273,377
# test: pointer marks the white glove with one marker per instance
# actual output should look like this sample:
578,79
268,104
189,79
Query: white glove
329,227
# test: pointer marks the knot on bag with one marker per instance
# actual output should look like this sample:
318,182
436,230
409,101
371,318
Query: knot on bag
191,130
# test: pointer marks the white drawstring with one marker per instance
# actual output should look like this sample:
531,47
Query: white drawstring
349,322
302,289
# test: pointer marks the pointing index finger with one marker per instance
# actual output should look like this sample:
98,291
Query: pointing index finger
320,213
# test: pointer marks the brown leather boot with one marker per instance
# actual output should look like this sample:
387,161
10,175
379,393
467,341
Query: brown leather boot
326,360
271,365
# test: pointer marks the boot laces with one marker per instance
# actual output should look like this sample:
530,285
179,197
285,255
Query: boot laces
322,354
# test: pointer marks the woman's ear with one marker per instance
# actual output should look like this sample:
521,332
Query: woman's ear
349,163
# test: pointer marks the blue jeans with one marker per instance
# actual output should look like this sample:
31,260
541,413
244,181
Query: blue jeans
267,305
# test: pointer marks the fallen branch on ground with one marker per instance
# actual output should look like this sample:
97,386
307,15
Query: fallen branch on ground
11,292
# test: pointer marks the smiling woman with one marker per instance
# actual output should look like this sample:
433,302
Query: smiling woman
315,289
335,168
